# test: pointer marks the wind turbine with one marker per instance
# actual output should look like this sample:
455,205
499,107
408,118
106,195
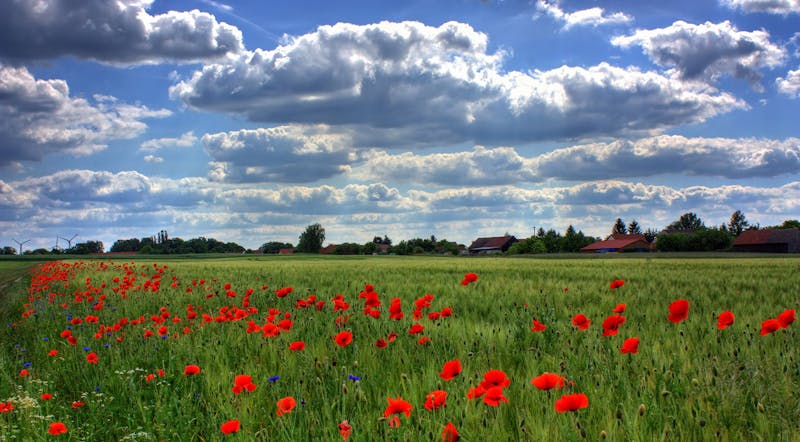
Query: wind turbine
21,244
69,241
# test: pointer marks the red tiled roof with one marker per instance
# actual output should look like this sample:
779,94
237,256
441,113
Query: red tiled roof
767,236
328,250
617,244
494,242
623,236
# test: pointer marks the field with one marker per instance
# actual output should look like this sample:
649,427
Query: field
137,329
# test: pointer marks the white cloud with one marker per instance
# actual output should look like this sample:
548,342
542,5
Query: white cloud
186,140
584,17
783,7
117,32
664,154
709,50
279,154
153,159
391,84
39,117
790,85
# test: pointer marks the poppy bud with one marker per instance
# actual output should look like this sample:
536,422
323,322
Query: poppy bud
344,388
619,414
760,407
664,393
642,409
603,434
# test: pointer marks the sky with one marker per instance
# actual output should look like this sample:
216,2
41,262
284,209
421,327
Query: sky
247,121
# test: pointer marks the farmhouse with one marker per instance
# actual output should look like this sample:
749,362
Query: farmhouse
285,251
619,243
768,241
495,244
327,250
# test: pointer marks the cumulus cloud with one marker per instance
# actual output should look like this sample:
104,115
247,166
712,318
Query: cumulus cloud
394,83
664,154
39,117
584,17
709,50
153,159
790,85
279,154
783,7
117,32
186,140
116,204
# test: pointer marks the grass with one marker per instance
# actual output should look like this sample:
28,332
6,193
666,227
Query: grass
689,381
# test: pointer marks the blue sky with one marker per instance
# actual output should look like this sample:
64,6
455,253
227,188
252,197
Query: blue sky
247,121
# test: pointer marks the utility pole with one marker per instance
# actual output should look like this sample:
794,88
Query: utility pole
21,244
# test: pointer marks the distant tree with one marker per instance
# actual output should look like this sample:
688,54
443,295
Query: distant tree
528,246
790,223
634,228
85,248
551,240
386,240
687,221
8,250
650,234
738,223
369,248
619,227
573,241
311,239
126,245
273,247
348,248
540,232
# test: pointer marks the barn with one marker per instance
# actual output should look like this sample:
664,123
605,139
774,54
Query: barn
494,244
619,243
768,241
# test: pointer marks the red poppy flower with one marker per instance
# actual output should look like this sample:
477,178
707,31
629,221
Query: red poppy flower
611,325
450,370
769,326
345,429
580,321
678,311
52,353
416,328
229,427
283,292
343,339
572,402
297,346
396,407
548,381
23,373
286,405
630,345
617,283
494,396
243,382
57,428
450,434
91,358
620,308
424,340
391,337
538,326
495,378
6,407
476,392
725,319
149,377
786,318
380,343
77,404
47,396
191,370
435,399
469,278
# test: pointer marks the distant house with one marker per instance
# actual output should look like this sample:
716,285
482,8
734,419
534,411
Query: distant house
495,244
328,250
768,241
619,243
285,251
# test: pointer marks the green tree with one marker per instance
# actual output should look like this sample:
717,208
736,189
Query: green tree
273,247
8,250
790,223
738,223
311,239
619,227
634,228
687,221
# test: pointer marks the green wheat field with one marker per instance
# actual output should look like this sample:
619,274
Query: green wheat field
101,349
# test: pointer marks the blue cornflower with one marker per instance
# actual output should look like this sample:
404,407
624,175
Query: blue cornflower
27,364
86,349
273,378
354,378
